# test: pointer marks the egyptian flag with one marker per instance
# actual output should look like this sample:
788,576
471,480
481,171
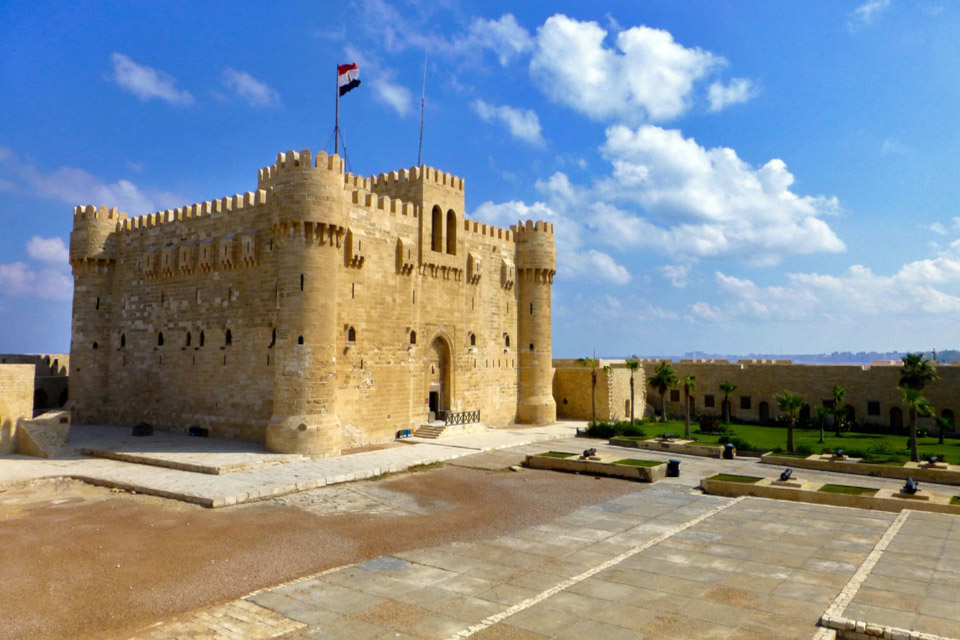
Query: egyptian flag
348,77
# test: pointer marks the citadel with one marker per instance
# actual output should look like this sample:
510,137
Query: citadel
319,312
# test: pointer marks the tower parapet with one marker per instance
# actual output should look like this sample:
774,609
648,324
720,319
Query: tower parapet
308,206
536,265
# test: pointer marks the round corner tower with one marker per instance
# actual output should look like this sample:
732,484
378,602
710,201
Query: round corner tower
536,265
92,261
308,209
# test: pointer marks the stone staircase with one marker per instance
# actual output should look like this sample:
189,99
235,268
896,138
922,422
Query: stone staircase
431,430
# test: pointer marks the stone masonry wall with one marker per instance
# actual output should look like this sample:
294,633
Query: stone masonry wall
16,402
571,390
182,317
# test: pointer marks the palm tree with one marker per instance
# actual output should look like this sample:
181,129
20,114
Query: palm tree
633,365
789,404
594,365
822,413
839,411
663,378
918,405
689,383
727,388
916,373
946,424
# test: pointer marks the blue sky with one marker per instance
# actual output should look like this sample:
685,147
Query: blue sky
725,177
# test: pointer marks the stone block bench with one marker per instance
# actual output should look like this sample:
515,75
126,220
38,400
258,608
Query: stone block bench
940,473
645,471
799,490
676,445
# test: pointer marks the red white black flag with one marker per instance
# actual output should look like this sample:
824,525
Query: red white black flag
348,77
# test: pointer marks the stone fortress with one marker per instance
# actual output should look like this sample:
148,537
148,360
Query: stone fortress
321,311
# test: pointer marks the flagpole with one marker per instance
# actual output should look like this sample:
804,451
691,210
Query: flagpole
336,126
423,93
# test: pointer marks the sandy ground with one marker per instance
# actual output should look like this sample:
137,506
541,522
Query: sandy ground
84,562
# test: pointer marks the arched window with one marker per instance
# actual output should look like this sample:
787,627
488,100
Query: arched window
531,346
451,232
299,339
96,346
506,339
201,338
189,338
160,339
413,337
228,338
123,340
351,335
473,339
436,230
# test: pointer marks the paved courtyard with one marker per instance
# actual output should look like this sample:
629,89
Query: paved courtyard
662,561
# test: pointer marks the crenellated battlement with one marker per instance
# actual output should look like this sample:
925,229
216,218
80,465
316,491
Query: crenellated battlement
375,202
417,174
298,160
533,227
90,212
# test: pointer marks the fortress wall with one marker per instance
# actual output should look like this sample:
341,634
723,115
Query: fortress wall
760,381
50,382
571,390
383,381
16,402
204,268
313,252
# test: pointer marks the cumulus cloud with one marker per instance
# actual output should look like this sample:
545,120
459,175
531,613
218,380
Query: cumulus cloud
380,80
504,36
521,123
737,91
254,92
647,77
893,146
707,202
573,260
866,13
676,274
18,279
50,250
75,186
930,286
146,82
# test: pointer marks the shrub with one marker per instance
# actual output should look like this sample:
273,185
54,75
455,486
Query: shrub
712,424
804,449
922,432
741,444
613,429
725,439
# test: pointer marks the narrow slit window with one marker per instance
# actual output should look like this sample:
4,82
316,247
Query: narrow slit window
160,339
228,337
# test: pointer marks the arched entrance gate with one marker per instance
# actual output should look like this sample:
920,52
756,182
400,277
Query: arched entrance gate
438,377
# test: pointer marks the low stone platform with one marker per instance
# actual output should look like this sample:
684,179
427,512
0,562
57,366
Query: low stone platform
598,467
677,445
940,473
174,450
799,490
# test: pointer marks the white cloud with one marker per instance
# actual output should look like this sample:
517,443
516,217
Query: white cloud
522,123
739,90
253,91
145,82
702,312
706,202
51,250
648,76
504,36
677,274
572,260
593,264
393,95
926,287
866,13
938,228
77,187
893,146
18,279
380,81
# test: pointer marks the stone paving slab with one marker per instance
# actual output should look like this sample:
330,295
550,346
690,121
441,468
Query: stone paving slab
266,481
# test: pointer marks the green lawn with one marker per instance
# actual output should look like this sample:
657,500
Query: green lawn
633,462
769,438
955,500
847,489
726,477
556,454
